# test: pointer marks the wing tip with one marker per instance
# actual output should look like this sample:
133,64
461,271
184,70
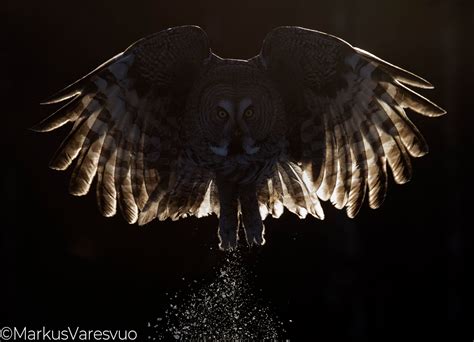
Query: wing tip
441,111
420,153
434,110
77,193
421,83
60,96
42,126
132,219
59,164
38,128
144,218
353,210
414,80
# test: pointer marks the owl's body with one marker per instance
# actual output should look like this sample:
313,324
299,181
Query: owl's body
172,130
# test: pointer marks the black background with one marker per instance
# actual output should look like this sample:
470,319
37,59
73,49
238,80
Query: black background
400,272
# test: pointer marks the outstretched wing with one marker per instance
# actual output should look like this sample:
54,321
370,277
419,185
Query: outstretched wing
348,107
125,118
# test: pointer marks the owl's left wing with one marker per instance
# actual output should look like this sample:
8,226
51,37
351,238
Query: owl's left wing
126,128
347,108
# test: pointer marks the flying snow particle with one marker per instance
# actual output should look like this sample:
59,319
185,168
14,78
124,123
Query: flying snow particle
224,310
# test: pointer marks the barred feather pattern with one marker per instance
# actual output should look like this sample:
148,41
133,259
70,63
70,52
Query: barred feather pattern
107,132
357,123
368,129
288,187
126,133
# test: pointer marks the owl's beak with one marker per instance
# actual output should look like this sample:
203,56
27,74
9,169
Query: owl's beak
237,134
242,144
235,146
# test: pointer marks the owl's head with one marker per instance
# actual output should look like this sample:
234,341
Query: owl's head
238,111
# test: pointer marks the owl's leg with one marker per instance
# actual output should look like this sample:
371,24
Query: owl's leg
228,215
254,228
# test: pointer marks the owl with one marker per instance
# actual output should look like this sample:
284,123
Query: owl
169,130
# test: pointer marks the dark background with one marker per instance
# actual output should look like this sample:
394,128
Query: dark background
398,273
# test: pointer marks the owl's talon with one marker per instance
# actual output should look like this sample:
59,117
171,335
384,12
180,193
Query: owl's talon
227,246
255,235
227,239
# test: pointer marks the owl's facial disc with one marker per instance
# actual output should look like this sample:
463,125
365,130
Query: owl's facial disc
234,116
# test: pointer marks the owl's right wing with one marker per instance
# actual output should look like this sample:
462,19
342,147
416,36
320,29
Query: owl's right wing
353,122
125,117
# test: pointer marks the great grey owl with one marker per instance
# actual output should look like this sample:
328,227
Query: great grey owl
173,130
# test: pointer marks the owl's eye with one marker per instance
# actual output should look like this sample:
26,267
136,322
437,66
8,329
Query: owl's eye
249,113
222,114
